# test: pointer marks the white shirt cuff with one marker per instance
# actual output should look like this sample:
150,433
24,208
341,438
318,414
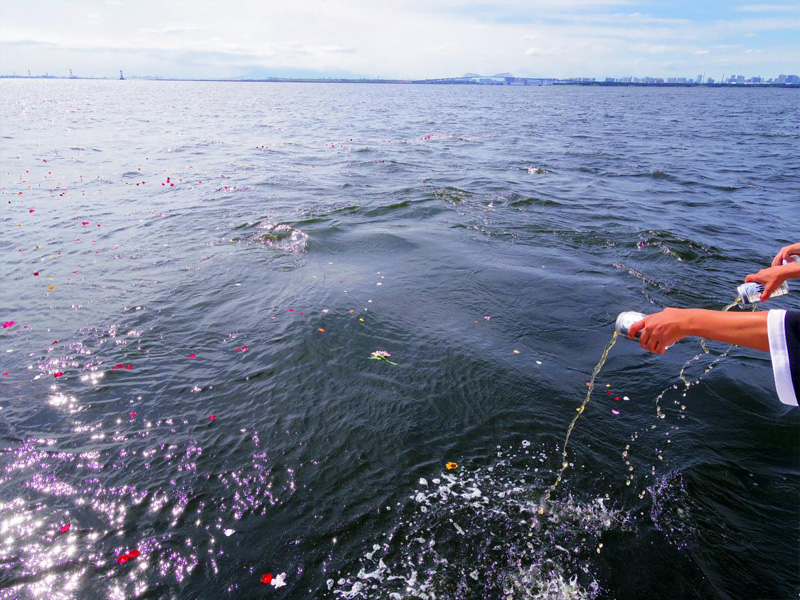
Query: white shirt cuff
779,351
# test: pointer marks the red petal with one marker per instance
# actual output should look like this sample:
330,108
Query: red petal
266,578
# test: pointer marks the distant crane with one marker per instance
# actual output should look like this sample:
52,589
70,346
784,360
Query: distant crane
121,78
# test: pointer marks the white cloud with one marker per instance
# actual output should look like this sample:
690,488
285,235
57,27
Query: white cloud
409,38
171,30
769,8
542,51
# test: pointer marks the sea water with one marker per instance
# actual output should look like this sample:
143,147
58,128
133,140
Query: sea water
177,251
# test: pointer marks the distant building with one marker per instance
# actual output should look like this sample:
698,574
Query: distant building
792,79
488,80
710,80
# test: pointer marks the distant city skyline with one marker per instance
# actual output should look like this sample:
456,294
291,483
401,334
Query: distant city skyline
407,39
790,78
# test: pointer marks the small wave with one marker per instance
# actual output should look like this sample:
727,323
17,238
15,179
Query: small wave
452,195
233,188
639,275
534,201
682,249
281,237
388,208
533,170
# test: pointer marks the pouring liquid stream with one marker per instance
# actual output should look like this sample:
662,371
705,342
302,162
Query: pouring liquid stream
581,408
659,413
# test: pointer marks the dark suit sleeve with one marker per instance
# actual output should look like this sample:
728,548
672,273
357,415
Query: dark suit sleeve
784,347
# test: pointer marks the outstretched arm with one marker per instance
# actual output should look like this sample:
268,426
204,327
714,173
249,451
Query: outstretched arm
663,329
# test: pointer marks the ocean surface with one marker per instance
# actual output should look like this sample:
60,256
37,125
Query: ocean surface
194,277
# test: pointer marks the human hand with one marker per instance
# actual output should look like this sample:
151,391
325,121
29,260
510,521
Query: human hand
661,330
785,253
771,277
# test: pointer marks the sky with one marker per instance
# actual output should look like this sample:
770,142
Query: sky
405,39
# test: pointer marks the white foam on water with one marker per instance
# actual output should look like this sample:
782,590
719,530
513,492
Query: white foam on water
281,237
480,533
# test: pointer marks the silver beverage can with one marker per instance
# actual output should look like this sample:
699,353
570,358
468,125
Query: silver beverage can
626,319
750,293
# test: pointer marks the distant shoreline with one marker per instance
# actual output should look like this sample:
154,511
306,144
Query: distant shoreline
514,82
